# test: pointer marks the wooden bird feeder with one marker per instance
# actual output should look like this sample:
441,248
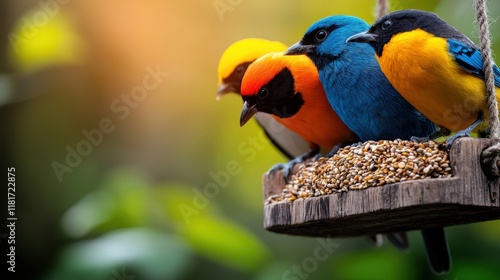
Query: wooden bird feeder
467,197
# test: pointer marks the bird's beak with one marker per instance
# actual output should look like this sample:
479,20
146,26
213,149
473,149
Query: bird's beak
363,37
298,48
225,89
247,113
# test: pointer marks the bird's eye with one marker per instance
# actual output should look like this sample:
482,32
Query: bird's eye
321,35
386,24
240,70
263,93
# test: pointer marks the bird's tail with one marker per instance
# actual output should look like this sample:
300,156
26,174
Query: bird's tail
437,249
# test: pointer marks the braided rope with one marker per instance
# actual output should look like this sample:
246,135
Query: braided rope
482,19
490,157
382,8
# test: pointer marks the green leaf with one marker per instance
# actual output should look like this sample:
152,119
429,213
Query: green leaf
122,201
90,212
226,243
140,253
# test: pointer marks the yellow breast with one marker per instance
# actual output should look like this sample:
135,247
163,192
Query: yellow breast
422,70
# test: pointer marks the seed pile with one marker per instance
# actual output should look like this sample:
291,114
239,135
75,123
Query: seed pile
370,164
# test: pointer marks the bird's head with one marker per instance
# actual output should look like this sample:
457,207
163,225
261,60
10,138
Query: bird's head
326,37
276,84
381,32
236,58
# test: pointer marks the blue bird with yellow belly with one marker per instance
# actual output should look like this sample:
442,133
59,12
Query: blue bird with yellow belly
433,66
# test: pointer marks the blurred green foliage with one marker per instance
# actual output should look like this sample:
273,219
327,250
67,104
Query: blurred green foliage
158,198
135,252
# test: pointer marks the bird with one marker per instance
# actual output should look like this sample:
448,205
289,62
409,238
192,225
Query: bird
288,88
236,59
433,66
232,66
365,100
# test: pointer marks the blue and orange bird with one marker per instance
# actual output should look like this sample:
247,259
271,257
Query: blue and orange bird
288,88
232,66
433,66
365,100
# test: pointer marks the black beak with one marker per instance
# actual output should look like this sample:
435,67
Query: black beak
227,88
298,48
247,113
363,37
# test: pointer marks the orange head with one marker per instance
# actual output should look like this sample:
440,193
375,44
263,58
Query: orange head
289,88
276,84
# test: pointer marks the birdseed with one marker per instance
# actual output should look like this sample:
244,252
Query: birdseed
368,164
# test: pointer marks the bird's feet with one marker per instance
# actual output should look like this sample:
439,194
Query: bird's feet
287,168
457,135
441,132
463,133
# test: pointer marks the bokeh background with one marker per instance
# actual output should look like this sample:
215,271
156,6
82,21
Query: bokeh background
109,174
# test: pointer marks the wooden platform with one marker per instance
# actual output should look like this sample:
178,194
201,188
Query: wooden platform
468,197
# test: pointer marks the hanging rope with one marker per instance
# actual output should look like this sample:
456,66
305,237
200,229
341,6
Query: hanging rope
490,158
382,8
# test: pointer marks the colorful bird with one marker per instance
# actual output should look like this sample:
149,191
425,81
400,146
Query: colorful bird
232,66
355,86
236,58
365,100
433,66
288,88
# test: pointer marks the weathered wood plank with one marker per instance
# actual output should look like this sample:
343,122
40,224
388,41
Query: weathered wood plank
467,197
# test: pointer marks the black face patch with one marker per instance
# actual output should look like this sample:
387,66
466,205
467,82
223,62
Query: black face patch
278,96
409,20
237,75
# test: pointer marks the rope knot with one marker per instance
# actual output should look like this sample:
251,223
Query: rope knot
490,159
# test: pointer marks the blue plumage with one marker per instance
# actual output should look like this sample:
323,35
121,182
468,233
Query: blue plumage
356,87
469,58
365,100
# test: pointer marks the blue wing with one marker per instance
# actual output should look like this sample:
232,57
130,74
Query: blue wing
469,58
